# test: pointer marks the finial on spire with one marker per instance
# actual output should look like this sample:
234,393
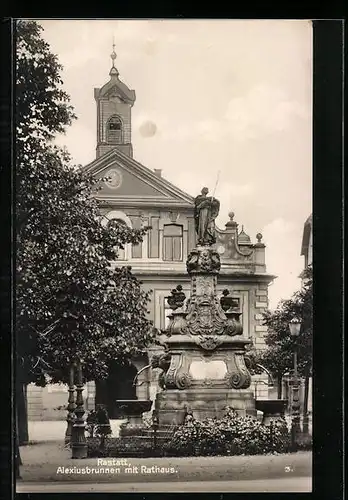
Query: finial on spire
113,70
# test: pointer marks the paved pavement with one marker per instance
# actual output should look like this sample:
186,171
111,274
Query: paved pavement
52,462
282,485
47,430
42,458
54,430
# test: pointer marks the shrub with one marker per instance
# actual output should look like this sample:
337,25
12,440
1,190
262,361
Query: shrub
304,442
124,447
230,435
98,422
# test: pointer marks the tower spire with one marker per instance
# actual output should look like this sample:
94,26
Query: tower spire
113,70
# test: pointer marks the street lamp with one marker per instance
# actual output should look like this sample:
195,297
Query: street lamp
78,438
295,328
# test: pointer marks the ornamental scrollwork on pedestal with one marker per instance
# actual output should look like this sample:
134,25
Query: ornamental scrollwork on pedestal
177,323
234,380
240,363
239,377
205,286
183,380
233,325
177,377
192,261
169,380
205,260
205,318
209,343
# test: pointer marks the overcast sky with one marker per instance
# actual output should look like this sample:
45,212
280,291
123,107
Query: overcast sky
230,95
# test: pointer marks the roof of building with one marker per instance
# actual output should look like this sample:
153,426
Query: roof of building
115,82
243,238
307,229
153,178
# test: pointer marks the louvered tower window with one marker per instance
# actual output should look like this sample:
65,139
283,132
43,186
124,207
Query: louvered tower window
114,130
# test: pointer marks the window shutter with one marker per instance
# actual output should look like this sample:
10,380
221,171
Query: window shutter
177,244
168,248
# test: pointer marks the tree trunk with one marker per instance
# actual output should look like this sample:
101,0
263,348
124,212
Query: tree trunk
18,460
305,405
23,436
279,386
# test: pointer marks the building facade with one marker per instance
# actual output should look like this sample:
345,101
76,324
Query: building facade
137,196
307,254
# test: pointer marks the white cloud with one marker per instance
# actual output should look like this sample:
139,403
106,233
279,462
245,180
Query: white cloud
278,227
282,238
72,142
264,109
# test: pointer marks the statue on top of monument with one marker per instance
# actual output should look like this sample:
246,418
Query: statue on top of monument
206,210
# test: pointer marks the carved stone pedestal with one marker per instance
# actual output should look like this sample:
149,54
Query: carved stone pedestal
172,405
205,375
205,369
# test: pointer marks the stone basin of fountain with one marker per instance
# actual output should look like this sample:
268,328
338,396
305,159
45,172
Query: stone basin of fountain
273,409
132,409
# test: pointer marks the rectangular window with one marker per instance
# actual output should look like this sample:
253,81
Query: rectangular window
172,242
121,254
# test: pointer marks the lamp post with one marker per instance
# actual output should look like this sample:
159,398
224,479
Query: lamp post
295,328
71,405
78,438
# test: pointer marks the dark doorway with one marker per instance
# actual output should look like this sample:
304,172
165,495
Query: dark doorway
118,385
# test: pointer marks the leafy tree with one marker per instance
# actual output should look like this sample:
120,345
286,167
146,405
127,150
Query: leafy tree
71,301
278,356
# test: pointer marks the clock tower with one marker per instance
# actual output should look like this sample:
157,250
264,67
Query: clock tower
114,105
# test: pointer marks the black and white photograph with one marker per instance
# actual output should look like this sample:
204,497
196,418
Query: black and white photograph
164,305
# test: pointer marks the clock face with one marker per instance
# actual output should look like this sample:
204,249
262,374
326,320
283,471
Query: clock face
114,180
221,249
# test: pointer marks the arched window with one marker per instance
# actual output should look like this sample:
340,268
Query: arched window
121,253
114,130
172,242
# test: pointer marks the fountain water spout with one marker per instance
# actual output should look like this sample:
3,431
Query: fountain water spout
271,384
137,375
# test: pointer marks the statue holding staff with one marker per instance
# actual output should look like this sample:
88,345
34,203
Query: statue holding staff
206,210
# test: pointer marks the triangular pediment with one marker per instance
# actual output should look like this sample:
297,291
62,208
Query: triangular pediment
132,183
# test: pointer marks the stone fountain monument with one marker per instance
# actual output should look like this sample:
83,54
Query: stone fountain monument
203,366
